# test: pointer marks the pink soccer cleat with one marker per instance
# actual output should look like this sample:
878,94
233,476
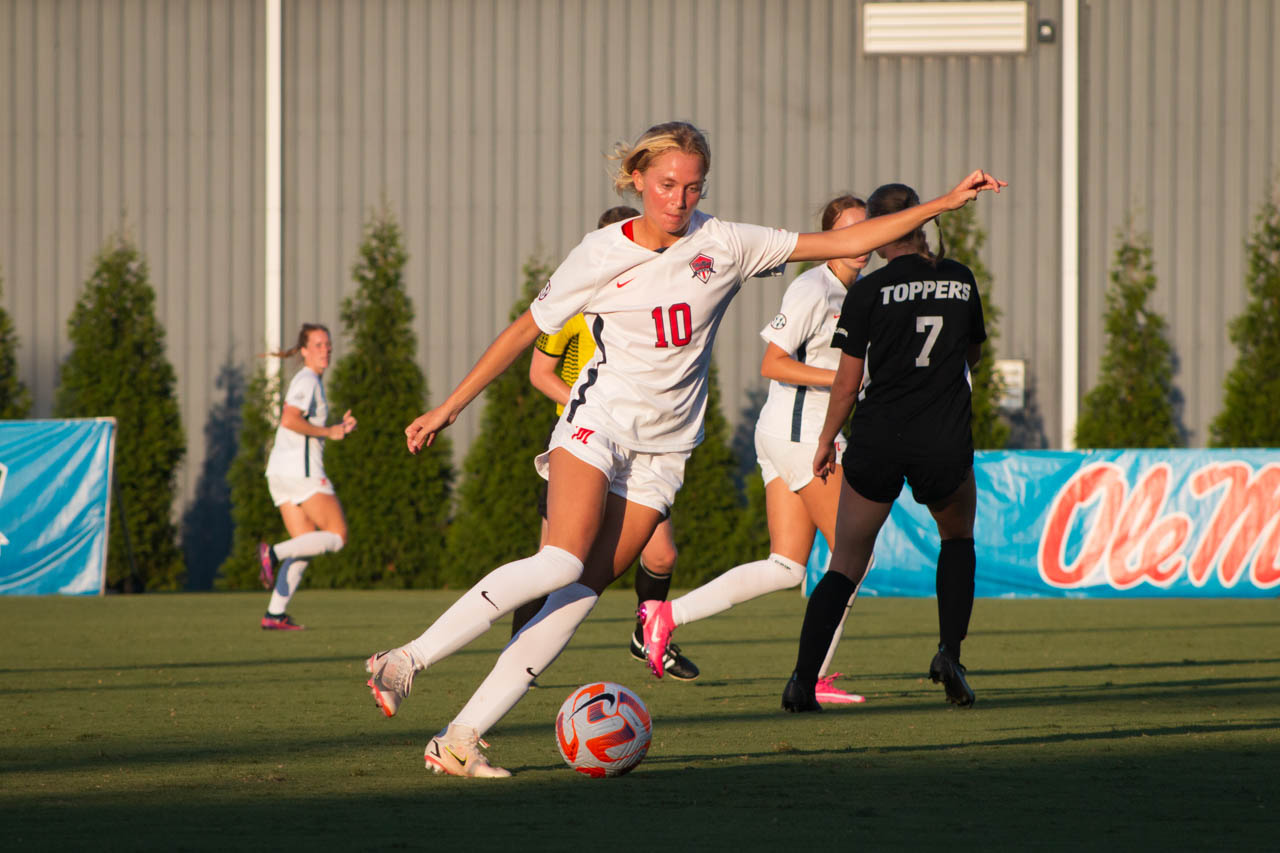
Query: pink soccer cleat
659,625
283,622
826,691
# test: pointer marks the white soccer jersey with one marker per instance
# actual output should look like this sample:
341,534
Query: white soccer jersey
294,454
654,317
803,329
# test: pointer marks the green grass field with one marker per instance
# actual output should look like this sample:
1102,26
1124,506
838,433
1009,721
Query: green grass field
171,722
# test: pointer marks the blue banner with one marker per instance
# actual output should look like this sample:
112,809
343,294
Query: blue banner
1103,523
55,488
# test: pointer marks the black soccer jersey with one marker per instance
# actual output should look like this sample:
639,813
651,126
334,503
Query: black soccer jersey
913,323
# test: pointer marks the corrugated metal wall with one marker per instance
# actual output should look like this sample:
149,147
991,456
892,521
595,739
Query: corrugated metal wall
484,125
1180,128
142,116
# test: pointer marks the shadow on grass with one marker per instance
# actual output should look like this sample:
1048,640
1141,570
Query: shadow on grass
854,799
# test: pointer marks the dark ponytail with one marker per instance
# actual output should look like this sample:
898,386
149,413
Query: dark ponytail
303,334
893,198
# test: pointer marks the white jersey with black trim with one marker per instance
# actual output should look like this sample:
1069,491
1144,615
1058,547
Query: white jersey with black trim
803,329
653,316
295,454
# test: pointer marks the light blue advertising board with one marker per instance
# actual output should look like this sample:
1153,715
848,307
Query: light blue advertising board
1103,523
55,487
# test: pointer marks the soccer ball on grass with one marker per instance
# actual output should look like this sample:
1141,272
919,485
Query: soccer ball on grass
603,729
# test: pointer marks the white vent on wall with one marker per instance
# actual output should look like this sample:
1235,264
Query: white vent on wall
958,27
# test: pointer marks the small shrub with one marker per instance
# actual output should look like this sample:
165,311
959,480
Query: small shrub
1133,403
118,368
1250,416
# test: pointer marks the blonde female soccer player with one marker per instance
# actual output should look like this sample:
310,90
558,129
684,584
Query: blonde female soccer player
295,476
553,369
653,291
800,363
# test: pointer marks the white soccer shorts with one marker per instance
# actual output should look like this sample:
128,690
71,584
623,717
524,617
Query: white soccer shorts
295,490
650,479
790,460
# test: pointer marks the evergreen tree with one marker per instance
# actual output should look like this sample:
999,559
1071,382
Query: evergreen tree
707,508
15,400
254,516
751,533
1249,417
1133,403
118,368
497,515
397,505
963,239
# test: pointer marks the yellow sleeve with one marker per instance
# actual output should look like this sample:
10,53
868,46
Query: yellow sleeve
555,345
578,349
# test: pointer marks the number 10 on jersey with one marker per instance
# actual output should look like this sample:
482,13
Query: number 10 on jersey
676,323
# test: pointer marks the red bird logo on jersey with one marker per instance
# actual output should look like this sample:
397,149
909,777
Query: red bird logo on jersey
703,267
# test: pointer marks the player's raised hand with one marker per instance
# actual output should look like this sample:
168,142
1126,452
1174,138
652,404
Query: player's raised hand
348,422
422,432
968,189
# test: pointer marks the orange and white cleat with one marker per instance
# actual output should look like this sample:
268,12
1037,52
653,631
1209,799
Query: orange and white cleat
456,751
392,678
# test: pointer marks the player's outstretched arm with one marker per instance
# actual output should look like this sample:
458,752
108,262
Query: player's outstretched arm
505,349
871,234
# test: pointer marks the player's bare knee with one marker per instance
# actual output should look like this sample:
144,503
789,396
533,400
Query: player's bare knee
660,561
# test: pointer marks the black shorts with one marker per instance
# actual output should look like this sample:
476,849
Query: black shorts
542,490
879,477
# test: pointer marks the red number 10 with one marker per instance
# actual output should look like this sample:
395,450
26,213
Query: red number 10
680,321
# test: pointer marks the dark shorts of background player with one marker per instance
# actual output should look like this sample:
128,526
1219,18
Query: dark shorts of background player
542,491
878,476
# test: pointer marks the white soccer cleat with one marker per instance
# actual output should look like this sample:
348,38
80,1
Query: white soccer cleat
456,751
392,678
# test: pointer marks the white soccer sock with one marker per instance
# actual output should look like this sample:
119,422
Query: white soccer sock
739,584
835,638
308,545
528,655
497,594
286,584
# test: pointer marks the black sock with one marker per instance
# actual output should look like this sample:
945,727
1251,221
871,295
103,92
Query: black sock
522,614
821,618
649,587
956,569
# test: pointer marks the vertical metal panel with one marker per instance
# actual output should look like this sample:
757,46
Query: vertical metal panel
1180,131
135,116
484,127
509,108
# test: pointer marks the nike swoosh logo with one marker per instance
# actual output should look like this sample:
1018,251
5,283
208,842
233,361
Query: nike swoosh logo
486,597
600,697
462,761
529,670
625,283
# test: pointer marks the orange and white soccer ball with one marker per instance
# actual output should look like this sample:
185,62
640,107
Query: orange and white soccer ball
603,729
